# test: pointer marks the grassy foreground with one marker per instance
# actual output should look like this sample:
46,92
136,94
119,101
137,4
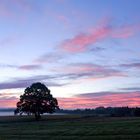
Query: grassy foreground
69,127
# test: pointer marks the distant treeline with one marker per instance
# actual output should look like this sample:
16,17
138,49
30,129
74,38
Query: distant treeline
102,111
99,111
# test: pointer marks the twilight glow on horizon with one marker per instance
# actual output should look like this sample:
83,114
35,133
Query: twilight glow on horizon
87,52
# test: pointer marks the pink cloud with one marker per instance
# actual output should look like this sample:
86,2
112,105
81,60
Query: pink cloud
124,32
88,100
131,99
82,41
8,102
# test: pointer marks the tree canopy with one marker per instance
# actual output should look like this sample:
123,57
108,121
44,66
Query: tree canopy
36,100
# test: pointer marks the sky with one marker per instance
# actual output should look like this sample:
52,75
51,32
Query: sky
87,52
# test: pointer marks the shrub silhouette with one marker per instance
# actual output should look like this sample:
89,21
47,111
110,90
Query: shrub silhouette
36,100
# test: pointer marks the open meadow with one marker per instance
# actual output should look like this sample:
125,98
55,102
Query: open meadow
69,127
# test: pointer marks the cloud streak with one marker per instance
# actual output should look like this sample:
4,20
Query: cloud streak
87,100
131,89
83,41
24,82
106,99
64,75
8,102
124,32
89,71
49,58
30,67
131,65
2,65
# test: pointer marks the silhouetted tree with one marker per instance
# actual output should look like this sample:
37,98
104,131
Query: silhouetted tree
36,100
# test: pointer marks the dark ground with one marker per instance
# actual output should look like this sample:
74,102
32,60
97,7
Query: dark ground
69,127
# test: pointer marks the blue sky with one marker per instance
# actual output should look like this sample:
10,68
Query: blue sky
75,47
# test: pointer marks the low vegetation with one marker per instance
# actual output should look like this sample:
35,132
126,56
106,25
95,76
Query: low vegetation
68,127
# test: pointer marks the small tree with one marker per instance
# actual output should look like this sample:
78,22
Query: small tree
36,100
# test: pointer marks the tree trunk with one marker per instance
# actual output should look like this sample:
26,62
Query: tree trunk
37,116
